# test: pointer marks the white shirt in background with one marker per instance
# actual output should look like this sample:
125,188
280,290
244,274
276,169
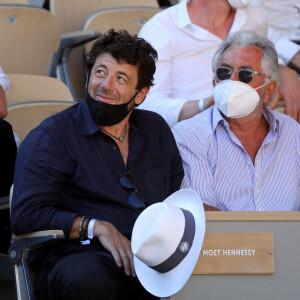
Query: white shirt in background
185,52
284,25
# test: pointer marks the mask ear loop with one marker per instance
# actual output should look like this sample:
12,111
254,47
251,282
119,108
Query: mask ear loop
136,105
87,83
266,82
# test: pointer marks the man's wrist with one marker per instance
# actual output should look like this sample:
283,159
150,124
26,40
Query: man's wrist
91,224
201,105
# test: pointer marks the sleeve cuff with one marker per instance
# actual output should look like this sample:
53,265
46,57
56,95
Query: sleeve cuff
63,220
286,50
4,82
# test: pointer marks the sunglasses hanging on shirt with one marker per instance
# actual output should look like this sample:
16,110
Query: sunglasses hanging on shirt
135,198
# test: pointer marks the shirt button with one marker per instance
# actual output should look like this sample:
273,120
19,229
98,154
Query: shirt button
114,148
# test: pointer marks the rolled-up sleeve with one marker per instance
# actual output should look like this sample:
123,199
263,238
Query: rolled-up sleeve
4,81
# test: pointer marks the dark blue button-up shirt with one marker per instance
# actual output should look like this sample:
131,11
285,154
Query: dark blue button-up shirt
68,167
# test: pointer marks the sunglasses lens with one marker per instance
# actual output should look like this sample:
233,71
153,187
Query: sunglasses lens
136,200
246,75
127,181
223,73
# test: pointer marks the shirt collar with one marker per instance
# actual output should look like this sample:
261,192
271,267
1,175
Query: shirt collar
267,113
183,18
217,118
89,127
239,20
272,120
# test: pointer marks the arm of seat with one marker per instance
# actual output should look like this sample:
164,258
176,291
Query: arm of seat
59,61
24,243
4,202
69,41
18,252
76,38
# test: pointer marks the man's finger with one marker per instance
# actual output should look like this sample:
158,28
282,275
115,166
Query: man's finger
125,260
132,265
292,109
129,257
115,253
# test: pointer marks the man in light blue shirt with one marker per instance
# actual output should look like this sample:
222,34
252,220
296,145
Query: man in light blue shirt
239,155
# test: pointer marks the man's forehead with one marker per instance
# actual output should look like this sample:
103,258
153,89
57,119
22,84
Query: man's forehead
107,58
248,55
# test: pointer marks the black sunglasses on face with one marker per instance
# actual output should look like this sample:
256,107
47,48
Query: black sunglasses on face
135,198
245,75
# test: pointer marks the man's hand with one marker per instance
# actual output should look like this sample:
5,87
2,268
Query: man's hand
209,207
191,108
295,61
117,244
289,91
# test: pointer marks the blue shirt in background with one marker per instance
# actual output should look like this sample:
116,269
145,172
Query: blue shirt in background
220,170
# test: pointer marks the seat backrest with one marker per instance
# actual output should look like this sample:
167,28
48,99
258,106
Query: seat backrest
26,87
24,2
39,3
130,18
72,14
26,116
29,36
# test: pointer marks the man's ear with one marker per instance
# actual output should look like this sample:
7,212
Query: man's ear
141,95
270,90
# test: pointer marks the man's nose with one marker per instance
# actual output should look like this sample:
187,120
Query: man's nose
108,83
235,75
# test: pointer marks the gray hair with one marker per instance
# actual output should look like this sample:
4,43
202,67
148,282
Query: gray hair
248,38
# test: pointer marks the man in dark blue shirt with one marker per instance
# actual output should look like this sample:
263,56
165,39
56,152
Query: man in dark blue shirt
90,170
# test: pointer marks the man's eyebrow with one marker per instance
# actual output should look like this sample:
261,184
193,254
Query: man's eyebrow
226,65
101,66
123,73
240,67
246,67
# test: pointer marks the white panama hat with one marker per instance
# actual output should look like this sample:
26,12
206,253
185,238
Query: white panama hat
166,241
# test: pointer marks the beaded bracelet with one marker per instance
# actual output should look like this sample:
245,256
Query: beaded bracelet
80,228
85,228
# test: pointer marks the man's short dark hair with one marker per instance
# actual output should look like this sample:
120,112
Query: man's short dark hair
128,48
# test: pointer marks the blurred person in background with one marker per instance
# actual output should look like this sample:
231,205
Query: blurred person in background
8,152
284,32
186,36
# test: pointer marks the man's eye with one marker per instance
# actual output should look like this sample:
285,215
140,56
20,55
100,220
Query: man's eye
121,78
99,72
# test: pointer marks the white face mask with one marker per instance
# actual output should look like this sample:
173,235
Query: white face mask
236,99
239,3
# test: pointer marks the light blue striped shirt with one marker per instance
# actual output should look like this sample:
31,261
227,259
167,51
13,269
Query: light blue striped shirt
219,169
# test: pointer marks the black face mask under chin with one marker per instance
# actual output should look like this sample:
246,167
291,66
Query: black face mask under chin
108,114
